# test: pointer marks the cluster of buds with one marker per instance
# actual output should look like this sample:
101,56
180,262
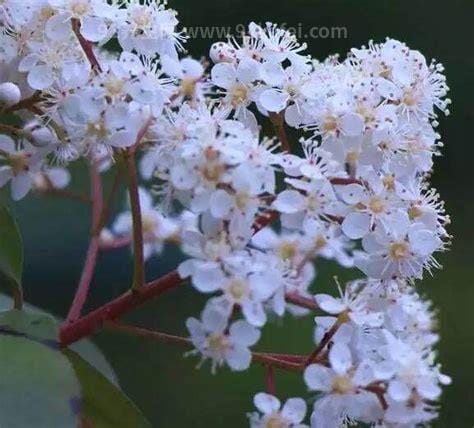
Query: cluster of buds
357,192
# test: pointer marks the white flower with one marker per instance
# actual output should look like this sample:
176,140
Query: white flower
272,415
19,165
212,342
156,227
399,248
342,386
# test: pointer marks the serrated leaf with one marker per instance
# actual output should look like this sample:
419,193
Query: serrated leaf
38,386
11,250
103,404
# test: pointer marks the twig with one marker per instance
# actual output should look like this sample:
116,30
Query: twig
270,379
93,250
272,360
88,324
139,263
85,45
324,342
104,218
304,302
278,122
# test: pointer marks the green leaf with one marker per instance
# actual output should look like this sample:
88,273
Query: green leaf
85,347
38,386
11,253
103,404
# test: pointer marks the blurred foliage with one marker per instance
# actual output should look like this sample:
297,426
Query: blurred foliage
167,387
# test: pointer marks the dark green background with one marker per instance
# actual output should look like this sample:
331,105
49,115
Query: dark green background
167,387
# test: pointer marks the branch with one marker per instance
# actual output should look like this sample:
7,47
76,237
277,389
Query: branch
85,326
304,302
104,218
139,268
85,45
270,380
93,250
273,360
324,342
278,122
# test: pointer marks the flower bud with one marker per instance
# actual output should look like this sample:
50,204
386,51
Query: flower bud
38,134
10,94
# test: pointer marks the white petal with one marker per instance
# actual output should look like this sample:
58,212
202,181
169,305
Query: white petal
7,144
239,358
388,90
329,304
294,410
248,70
424,242
266,403
214,320
428,388
208,279
352,193
223,75
243,333
352,124
289,202
40,77
58,27
94,29
356,225
398,390
273,100
318,377
254,313
220,203
340,358
21,185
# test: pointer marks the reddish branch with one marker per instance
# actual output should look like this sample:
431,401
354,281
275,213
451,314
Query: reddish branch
282,361
324,342
301,301
278,122
270,379
85,45
139,261
88,324
93,250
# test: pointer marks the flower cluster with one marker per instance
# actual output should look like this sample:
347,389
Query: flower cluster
358,193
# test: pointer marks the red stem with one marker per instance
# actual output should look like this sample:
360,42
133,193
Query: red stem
85,45
273,360
324,342
278,122
88,324
139,268
93,250
270,380
304,302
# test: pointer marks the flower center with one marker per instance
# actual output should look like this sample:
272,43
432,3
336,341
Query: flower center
239,95
342,385
414,212
238,289
330,124
287,251
80,8
114,85
217,343
276,421
19,162
352,157
399,250
148,224
188,87
376,205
